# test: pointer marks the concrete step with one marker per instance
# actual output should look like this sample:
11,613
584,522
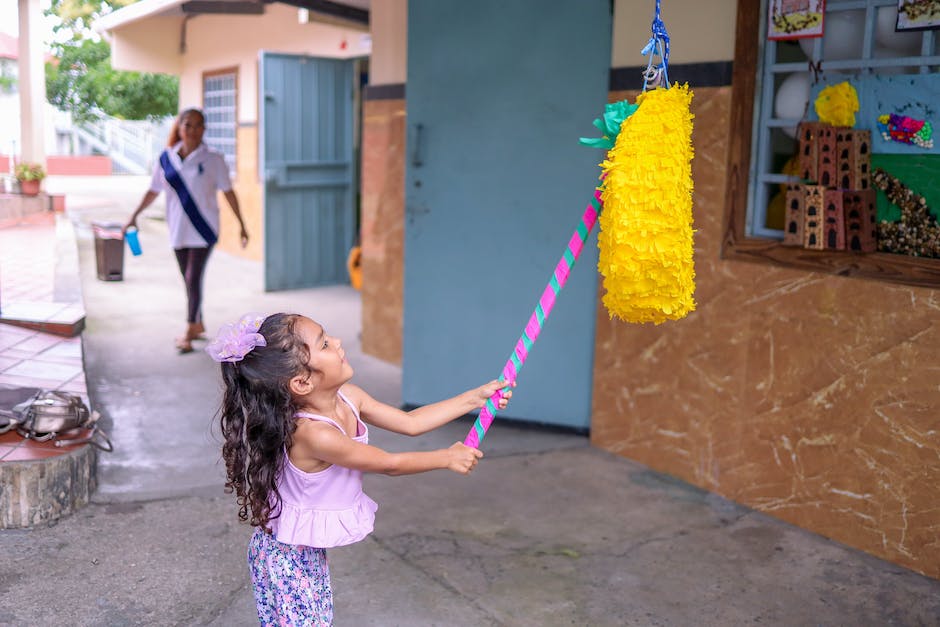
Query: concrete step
65,319
14,207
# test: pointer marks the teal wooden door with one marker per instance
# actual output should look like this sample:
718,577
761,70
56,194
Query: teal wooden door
306,164
498,94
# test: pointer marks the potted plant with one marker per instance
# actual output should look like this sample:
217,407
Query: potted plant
30,175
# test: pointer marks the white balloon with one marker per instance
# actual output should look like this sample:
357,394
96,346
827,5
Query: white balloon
843,32
792,99
908,44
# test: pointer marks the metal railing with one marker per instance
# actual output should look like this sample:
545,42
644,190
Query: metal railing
131,144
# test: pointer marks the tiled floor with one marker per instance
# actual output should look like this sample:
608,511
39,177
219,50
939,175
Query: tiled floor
36,359
28,357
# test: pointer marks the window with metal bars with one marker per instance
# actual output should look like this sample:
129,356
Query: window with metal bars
219,93
775,84
859,40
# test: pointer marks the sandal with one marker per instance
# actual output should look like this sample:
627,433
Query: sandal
184,345
196,331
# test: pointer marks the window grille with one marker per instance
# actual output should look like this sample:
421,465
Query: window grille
219,106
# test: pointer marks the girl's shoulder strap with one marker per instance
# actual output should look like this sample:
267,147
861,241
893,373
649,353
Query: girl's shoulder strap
319,418
352,405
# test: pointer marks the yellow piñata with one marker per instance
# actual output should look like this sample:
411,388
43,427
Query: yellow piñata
645,241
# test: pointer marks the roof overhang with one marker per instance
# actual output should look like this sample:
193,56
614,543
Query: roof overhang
352,10
138,11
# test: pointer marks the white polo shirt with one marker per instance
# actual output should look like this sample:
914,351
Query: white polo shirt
204,172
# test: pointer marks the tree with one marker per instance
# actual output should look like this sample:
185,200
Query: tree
78,15
82,80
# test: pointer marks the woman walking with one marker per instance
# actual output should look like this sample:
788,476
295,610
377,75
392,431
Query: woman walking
191,173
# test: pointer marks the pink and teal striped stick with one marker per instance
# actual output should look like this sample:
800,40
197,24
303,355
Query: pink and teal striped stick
537,320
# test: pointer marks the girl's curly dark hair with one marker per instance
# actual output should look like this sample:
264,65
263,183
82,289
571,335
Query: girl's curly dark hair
257,417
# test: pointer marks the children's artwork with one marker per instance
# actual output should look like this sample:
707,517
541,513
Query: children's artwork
905,130
837,104
918,14
899,110
917,233
795,19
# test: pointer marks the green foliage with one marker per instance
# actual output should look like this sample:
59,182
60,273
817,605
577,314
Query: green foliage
29,172
82,80
78,15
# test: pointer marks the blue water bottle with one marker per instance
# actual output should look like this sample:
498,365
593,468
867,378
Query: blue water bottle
133,241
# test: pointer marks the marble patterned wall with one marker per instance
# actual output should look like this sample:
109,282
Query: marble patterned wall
383,227
811,397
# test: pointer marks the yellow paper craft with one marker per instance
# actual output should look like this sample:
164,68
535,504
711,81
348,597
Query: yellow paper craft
646,248
837,104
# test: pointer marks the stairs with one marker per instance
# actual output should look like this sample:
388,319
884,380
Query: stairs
131,144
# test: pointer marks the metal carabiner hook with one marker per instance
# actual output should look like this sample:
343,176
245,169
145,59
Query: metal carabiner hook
653,77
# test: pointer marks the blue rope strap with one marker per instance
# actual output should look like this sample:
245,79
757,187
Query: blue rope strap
657,74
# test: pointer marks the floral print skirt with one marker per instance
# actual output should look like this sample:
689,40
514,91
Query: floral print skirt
291,583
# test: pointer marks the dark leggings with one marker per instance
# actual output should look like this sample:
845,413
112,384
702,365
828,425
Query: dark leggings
192,262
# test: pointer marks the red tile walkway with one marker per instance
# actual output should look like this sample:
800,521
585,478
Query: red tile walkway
31,358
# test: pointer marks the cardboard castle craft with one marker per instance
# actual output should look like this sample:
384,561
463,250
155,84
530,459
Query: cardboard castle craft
834,209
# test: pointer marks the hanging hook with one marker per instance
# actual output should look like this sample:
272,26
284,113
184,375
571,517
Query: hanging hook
653,77
657,74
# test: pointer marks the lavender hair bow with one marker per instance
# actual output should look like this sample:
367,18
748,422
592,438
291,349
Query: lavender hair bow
234,341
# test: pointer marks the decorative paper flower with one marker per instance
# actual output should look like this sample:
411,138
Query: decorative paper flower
646,223
234,341
837,104
614,115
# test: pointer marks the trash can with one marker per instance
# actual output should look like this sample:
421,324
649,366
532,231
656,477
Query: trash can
109,250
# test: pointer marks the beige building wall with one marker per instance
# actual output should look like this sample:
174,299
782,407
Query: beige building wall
699,30
388,21
209,48
219,42
192,47
250,199
150,45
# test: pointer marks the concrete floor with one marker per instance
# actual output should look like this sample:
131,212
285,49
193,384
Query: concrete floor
547,531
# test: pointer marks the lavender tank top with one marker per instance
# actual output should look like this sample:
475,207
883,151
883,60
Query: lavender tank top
326,508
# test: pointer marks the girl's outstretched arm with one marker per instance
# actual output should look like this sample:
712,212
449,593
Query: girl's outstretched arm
319,443
428,417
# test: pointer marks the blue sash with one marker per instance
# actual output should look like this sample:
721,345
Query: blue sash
189,205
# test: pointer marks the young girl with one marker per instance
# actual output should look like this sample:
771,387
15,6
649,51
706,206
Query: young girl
295,447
